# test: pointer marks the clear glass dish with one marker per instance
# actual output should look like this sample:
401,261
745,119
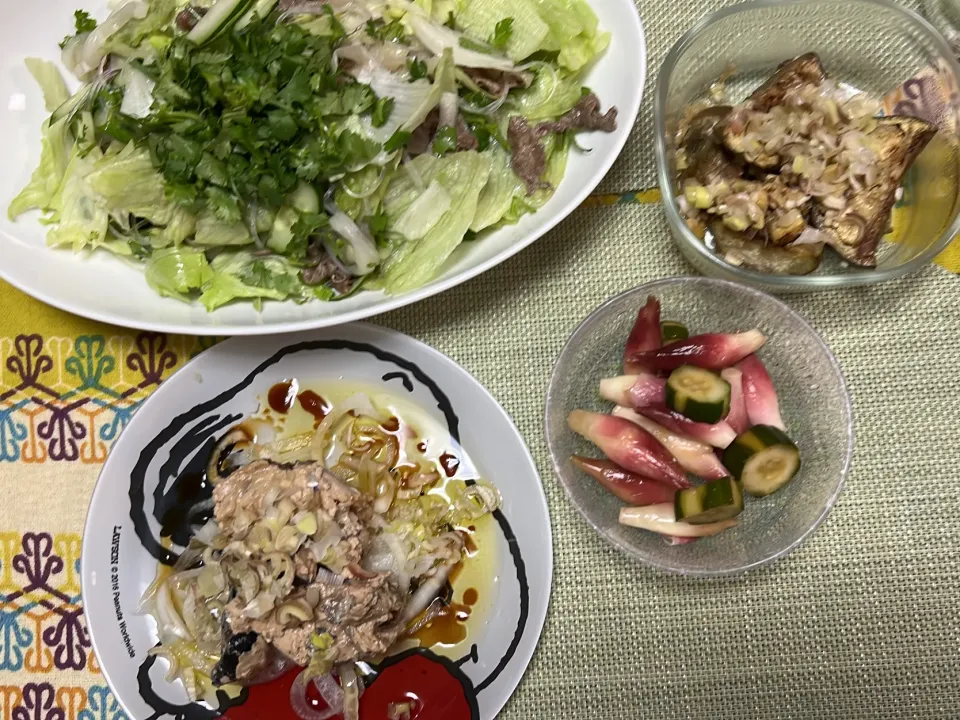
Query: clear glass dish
813,400
874,46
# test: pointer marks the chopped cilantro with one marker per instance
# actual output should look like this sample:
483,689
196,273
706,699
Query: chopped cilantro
259,275
305,226
240,121
386,32
83,24
377,224
398,140
382,110
445,140
502,33
485,130
417,68
469,44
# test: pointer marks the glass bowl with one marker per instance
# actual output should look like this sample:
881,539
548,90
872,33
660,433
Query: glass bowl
874,46
813,399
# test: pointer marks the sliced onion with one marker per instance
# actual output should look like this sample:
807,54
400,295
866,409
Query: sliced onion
366,257
137,94
373,187
834,202
351,692
328,577
329,691
434,609
161,652
811,236
206,533
486,109
89,56
168,619
415,176
426,593
306,8
278,666
448,109
437,38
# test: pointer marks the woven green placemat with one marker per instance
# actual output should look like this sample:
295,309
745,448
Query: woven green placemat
861,622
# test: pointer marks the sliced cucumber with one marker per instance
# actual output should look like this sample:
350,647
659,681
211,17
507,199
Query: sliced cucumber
261,10
698,394
763,458
305,198
282,232
711,502
671,331
218,20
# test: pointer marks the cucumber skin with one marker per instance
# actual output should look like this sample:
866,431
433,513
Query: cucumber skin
242,7
710,496
749,443
708,413
671,331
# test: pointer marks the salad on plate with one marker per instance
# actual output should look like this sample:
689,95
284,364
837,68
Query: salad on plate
283,150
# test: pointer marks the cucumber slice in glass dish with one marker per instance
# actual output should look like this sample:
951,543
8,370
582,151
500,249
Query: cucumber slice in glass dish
709,503
763,458
698,394
671,331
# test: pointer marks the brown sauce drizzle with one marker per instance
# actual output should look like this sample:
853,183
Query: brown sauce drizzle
282,396
391,425
422,446
314,404
470,596
449,463
447,628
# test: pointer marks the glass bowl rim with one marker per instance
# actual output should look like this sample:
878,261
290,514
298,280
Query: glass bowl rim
856,277
650,288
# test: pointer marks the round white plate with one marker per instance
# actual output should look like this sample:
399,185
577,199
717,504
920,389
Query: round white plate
105,288
174,430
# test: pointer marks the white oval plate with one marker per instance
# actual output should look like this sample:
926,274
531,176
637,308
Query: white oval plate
175,427
111,290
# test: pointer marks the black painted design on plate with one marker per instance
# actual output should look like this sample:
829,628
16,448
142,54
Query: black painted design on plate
472,656
524,600
402,377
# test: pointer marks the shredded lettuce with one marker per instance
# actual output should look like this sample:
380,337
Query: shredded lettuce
129,183
212,232
81,218
241,275
50,80
479,18
549,96
129,40
174,272
573,32
424,212
497,196
46,179
463,175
